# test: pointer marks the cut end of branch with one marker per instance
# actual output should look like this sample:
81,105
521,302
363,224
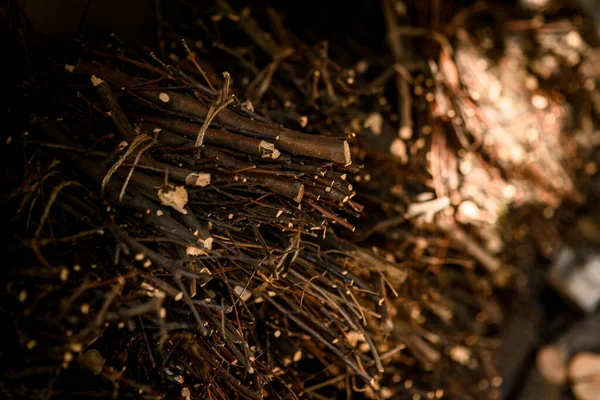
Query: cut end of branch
96,81
585,366
398,150
268,150
347,154
194,251
164,97
243,293
300,194
175,197
206,242
405,132
552,365
200,179
584,371
587,390
93,360
204,238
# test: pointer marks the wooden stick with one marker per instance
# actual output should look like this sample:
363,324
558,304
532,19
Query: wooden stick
217,137
287,140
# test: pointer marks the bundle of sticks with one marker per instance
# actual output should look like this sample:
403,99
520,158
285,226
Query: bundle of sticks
281,226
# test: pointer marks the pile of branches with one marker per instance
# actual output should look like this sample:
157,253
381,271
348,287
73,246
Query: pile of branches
247,215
